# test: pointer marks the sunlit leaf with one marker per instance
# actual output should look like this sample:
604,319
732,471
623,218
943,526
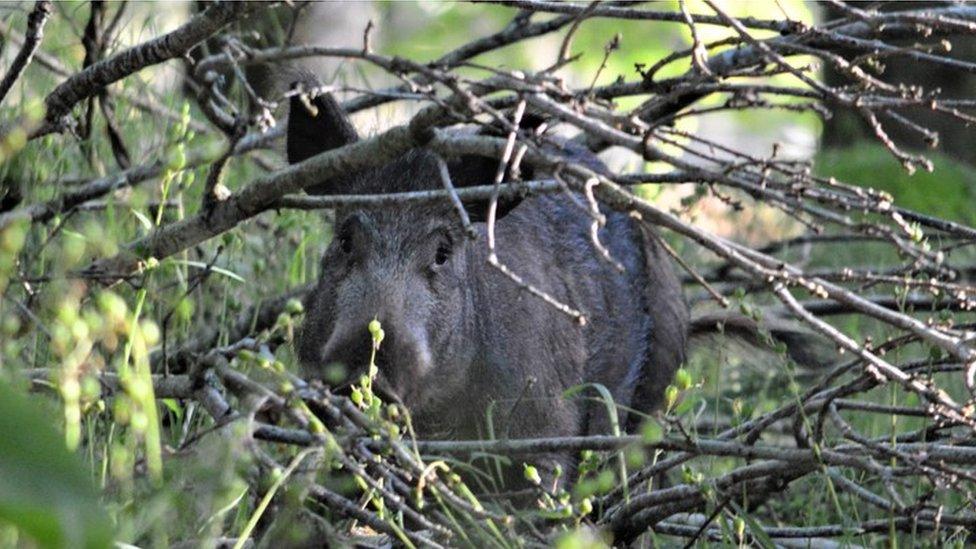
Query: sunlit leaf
44,490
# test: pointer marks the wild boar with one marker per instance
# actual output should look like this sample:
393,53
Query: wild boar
463,341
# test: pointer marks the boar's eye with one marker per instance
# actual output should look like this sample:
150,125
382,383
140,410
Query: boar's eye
443,253
345,243
345,232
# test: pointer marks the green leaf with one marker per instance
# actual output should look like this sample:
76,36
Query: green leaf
219,270
760,537
44,489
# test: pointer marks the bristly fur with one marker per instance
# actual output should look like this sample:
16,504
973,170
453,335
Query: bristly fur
465,342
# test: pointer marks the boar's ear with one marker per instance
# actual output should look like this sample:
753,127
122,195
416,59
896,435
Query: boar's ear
470,171
473,171
315,125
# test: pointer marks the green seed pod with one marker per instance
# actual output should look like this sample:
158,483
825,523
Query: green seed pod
531,474
356,396
740,527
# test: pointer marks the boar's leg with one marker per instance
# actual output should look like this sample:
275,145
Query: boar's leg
670,317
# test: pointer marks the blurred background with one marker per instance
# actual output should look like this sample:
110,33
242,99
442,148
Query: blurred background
45,318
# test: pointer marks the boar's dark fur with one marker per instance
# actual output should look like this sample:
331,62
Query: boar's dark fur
462,340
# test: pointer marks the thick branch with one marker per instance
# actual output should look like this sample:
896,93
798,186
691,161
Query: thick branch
173,44
35,32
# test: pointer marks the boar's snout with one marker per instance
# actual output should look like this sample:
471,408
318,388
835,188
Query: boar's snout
403,355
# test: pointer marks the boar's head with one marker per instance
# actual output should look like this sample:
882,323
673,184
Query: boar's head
407,265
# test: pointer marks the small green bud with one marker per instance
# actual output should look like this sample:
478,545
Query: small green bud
246,355
531,474
150,332
294,307
670,396
177,159
740,527
586,506
356,396
283,320
374,327
682,379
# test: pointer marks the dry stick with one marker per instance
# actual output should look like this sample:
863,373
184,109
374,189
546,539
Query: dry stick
947,406
32,40
907,522
172,44
699,54
481,192
615,12
518,30
896,25
850,457
338,503
564,57
214,190
511,189
455,200
599,220
716,295
503,164
921,303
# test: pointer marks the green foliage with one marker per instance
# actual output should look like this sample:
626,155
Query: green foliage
44,489
948,192
164,472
